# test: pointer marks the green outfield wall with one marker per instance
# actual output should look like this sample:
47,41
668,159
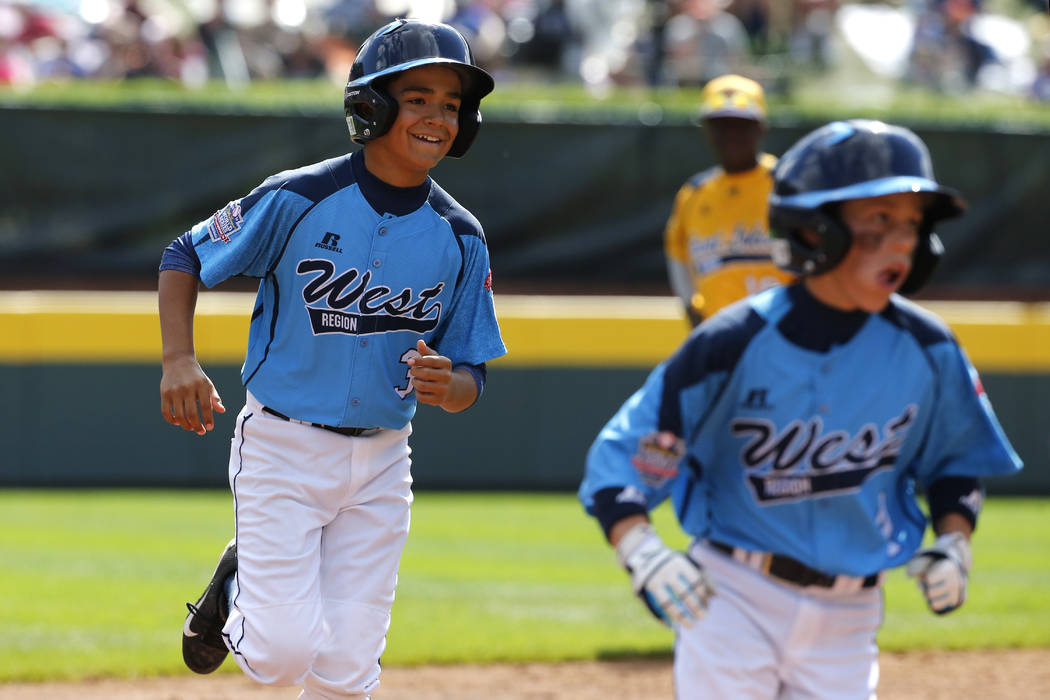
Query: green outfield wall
99,192
79,373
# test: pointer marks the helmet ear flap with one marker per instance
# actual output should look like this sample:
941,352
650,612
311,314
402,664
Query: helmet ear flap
927,254
793,252
469,124
369,112
944,203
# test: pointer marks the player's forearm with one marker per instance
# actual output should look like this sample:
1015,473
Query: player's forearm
953,522
177,301
617,531
462,392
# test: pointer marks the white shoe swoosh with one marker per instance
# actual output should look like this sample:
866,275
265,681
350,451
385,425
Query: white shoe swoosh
186,631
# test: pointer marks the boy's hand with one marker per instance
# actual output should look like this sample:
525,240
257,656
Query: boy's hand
187,397
941,571
431,375
674,587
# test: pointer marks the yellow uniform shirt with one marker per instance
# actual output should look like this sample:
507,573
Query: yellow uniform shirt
719,228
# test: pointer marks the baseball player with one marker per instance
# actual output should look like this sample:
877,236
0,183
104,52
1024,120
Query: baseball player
717,241
793,430
374,294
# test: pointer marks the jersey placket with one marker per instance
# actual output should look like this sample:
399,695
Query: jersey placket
358,407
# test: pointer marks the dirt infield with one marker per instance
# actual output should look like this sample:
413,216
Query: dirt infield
935,675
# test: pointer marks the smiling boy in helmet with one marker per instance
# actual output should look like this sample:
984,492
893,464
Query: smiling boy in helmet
792,431
375,294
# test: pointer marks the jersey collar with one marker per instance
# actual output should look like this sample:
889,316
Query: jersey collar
386,198
813,325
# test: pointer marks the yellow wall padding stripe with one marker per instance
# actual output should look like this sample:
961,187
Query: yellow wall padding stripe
582,331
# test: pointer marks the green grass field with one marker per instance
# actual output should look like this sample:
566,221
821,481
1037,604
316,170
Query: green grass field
93,582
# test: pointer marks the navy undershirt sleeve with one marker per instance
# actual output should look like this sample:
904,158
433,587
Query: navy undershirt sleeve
480,373
955,494
180,255
609,509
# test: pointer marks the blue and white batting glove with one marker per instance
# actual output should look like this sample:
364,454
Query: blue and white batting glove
941,571
672,585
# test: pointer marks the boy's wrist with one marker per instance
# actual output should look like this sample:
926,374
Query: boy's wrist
178,357
461,392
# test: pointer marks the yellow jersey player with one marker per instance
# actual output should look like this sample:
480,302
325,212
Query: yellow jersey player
717,238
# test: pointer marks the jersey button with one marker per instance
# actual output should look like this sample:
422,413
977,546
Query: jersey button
382,230
377,262
355,402
364,342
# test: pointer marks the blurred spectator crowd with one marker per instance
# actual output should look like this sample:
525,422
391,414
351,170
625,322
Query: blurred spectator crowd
946,45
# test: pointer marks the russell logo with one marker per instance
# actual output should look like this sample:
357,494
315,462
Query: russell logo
330,242
757,399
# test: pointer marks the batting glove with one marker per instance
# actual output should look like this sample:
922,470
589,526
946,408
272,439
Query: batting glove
672,585
941,571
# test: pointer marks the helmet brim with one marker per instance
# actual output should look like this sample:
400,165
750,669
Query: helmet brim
948,203
476,82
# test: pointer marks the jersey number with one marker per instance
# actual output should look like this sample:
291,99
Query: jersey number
405,390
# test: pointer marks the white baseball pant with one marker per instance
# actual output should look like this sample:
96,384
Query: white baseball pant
321,522
765,640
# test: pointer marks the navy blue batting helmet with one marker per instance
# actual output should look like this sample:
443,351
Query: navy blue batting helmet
852,160
399,46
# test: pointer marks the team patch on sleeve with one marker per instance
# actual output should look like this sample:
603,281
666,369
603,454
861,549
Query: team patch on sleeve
658,457
488,281
225,222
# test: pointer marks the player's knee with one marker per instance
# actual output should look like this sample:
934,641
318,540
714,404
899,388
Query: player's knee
284,660
279,648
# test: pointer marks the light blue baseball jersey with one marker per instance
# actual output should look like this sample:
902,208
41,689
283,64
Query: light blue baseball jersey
805,429
353,272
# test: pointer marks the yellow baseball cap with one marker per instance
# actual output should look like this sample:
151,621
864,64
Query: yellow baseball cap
733,96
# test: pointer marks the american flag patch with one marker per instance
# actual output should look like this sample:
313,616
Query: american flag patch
225,222
488,280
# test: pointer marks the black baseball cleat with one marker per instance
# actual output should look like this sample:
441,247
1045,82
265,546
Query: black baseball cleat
203,649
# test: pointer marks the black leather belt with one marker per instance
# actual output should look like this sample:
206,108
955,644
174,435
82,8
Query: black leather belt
791,570
347,431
